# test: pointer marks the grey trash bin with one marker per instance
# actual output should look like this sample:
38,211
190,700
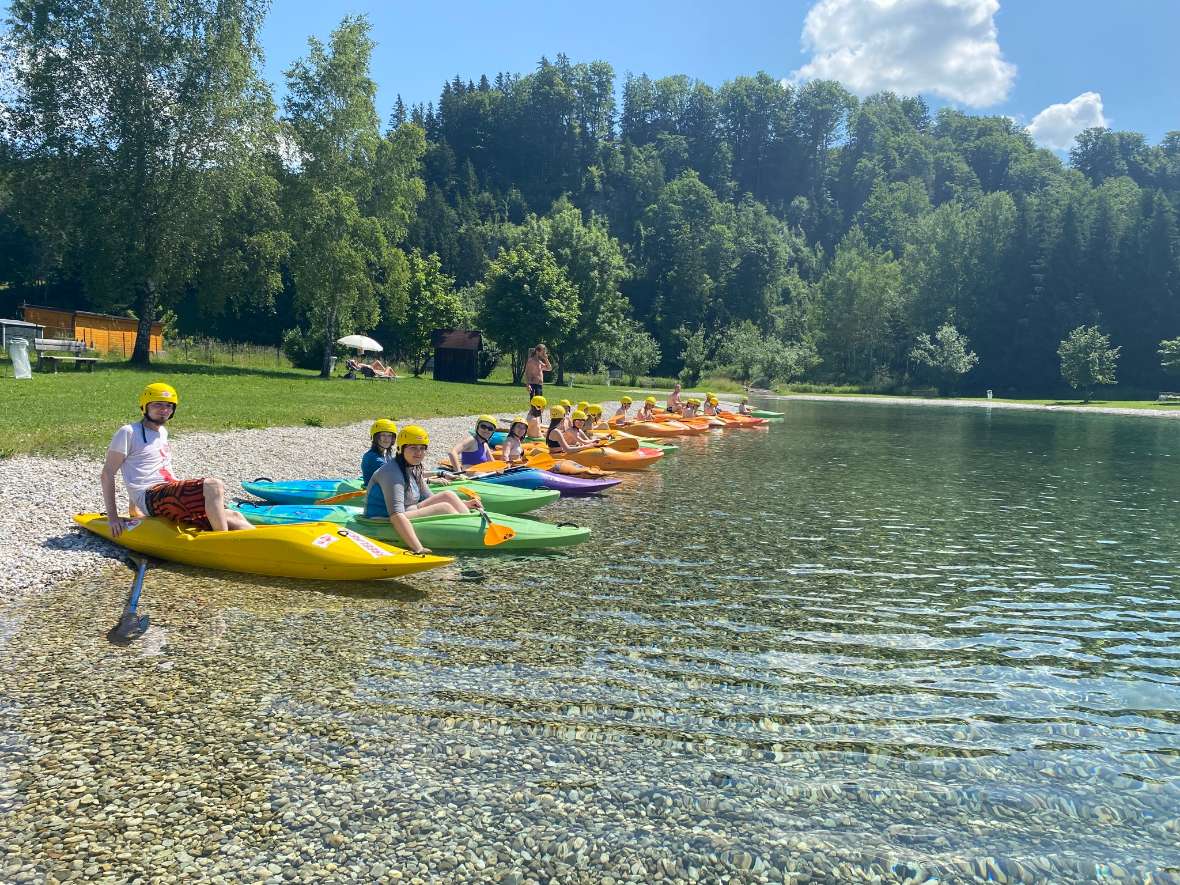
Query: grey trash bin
18,351
332,365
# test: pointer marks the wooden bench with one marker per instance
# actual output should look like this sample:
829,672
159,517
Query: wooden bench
51,351
1167,397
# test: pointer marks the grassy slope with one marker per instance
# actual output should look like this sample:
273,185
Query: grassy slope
77,412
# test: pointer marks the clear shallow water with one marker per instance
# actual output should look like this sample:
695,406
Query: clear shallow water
871,642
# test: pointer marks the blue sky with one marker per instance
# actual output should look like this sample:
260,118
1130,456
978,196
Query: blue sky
1098,61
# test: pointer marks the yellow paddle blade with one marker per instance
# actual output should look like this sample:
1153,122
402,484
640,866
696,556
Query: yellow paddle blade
469,492
495,533
339,499
541,461
623,444
488,467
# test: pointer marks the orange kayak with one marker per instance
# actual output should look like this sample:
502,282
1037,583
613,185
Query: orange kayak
612,459
661,429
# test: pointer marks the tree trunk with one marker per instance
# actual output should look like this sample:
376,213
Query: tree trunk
329,343
146,306
560,379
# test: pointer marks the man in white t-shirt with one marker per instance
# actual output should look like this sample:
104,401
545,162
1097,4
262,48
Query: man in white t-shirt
143,453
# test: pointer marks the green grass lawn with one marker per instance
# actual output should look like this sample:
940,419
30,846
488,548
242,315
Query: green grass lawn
76,412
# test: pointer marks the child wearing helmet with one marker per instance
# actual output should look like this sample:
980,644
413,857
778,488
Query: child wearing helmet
476,450
593,419
382,433
513,451
561,441
711,405
648,412
621,416
142,453
690,407
398,490
537,406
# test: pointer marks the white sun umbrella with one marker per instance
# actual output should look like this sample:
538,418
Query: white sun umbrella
360,342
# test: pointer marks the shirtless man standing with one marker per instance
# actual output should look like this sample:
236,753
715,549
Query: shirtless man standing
535,368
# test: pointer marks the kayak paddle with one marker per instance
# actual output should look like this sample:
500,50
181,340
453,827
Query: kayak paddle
494,533
131,625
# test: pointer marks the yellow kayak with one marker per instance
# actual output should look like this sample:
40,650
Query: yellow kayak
319,550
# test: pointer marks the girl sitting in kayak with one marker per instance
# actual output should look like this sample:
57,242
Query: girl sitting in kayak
579,430
744,406
567,408
513,450
537,407
621,416
674,402
560,441
382,433
475,450
690,407
648,412
398,489
710,405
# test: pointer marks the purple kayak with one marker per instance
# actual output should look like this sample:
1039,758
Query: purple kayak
569,486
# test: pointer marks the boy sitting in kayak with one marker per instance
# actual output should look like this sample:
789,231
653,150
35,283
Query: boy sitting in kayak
398,489
142,452
674,402
537,406
744,406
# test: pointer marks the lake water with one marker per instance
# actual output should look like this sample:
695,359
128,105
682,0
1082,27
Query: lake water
869,642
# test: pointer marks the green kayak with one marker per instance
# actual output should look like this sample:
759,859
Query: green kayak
767,414
497,498
447,532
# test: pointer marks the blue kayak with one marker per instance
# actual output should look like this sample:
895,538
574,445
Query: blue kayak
496,498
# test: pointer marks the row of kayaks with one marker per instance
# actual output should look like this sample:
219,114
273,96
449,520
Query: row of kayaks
297,535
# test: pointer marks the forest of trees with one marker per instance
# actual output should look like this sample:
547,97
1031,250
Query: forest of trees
769,230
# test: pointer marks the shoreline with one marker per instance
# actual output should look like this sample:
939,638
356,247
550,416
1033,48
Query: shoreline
969,403
44,545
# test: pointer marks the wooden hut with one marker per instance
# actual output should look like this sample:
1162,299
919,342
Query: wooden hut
98,331
456,354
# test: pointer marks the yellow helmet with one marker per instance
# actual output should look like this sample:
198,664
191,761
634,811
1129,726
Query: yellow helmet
382,425
651,400
579,415
594,409
485,419
584,405
538,402
745,399
694,402
517,419
626,400
567,404
556,412
412,435
712,399
158,392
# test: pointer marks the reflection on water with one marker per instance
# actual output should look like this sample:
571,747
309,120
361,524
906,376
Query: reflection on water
869,642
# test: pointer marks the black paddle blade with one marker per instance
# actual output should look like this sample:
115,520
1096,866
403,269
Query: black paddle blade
130,627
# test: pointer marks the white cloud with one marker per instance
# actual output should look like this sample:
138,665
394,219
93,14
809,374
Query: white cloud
1057,125
942,47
